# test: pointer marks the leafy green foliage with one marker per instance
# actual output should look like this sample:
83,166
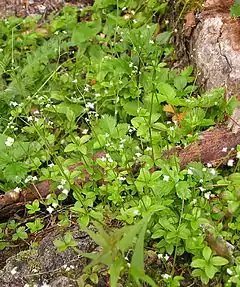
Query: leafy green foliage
208,265
91,106
235,9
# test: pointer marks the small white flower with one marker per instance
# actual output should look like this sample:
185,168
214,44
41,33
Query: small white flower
148,148
209,164
9,141
160,256
166,178
103,158
74,81
108,155
201,180
136,212
85,131
207,195
194,201
110,160
45,285
34,178
51,165
138,154
97,95
17,189
230,162
60,186
67,269
128,264
54,204
238,154
122,178
121,146
65,191
130,65
171,128
166,22
175,30
72,267
134,21
202,189
63,181
29,119
86,89
229,271
224,149
124,8
14,270
213,171
50,209
166,257
166,276
190,172
14,104
90,105
132,12
151,42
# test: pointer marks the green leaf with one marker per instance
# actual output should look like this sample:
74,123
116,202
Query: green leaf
130,233
85,31
207,252
60,244
115,270
198,263
70,147
137,261
15,172
182,190
94,278
180,82
218,261
235,10
131,108
163,38
167,92
84,139
210,270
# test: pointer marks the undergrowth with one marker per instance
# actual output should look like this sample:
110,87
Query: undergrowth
90,102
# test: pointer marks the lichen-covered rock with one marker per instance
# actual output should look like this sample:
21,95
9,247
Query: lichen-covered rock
47,266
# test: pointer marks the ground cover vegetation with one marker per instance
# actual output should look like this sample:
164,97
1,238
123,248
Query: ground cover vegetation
100,82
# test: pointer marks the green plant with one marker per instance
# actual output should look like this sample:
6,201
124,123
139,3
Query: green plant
91,107
207,265
235,9
114,246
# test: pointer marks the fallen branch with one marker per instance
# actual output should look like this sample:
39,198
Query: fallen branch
215,146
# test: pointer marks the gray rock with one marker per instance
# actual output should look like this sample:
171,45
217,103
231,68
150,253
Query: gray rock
45,265
217,63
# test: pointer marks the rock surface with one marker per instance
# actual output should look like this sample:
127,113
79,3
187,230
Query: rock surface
215,53
22,8
45,266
